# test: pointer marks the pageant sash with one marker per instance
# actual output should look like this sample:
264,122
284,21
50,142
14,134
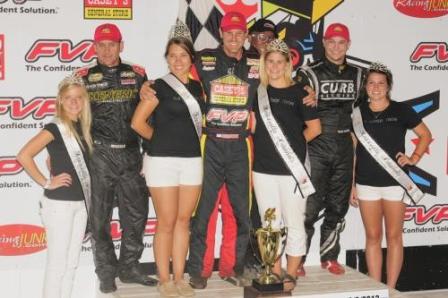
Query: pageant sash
193,106
413,193
77,159
282,146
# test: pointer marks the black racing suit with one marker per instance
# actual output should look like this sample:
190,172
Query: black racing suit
115,165
230,87
331,153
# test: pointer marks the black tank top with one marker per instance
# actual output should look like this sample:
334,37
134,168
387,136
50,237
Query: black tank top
61,163
174,132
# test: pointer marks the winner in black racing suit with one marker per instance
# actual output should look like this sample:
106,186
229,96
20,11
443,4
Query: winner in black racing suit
113,87
337,86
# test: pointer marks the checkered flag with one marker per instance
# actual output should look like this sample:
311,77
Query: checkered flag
203,19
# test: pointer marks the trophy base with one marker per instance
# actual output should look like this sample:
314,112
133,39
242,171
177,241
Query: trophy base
265,290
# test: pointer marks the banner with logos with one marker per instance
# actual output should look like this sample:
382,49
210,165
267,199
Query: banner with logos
41,41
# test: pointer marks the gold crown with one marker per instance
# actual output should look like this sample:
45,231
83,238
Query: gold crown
180,30
72,79
277,45
380,67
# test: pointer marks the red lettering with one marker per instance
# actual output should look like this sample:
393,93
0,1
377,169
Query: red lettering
38,107
116,230
63,49
223,115
421,216
441,215
9,165
429,50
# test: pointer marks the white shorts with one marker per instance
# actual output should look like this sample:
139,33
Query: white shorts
376,193
279,192
172,171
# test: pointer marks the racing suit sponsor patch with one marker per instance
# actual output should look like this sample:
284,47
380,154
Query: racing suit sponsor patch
229,90
95,77
113,95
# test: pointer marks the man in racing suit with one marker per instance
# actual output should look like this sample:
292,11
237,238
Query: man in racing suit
113,88
337,85
229,76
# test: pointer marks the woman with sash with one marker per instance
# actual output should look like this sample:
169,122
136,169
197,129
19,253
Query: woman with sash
382,184
172,164
284,125
65,204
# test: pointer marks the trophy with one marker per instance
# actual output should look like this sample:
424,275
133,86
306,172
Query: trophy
269,241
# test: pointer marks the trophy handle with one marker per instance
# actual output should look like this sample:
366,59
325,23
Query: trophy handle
284,232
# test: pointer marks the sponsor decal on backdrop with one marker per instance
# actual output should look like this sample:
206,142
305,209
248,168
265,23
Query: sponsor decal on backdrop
2,57
9,166
21,239
64,51
15,110
426,219
26,7
108,9
116,232
422,8
429,56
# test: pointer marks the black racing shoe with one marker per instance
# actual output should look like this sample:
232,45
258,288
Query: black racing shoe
108,286
198,282
133,275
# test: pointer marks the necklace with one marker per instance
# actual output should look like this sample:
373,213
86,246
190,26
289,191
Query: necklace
376,113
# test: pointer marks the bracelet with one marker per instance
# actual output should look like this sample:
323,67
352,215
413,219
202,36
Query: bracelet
47,184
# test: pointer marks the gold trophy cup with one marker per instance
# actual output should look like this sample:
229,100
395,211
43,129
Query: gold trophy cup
269,241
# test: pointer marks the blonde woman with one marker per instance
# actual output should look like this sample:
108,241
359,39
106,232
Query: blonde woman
275,178
67,189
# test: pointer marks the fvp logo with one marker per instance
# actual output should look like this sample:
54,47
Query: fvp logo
9,166
429,50
116,230
2,56
436,214
38,107
62,49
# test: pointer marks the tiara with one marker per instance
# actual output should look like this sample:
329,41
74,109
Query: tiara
180,30
72,79
380,67
277,45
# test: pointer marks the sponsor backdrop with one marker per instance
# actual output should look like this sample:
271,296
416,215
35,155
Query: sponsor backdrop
41,41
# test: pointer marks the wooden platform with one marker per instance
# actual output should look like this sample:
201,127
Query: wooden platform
317,284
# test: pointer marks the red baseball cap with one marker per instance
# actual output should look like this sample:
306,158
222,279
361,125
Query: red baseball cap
337,29
107,32
233,20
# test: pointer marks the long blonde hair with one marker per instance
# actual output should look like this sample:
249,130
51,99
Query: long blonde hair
279,47
85,117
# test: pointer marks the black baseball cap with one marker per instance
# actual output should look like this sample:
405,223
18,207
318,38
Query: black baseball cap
262,25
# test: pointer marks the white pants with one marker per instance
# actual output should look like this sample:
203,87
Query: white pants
65,225
279,192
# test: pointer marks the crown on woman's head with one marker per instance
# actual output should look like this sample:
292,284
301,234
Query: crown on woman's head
277,45
380,67
180,30
72,79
